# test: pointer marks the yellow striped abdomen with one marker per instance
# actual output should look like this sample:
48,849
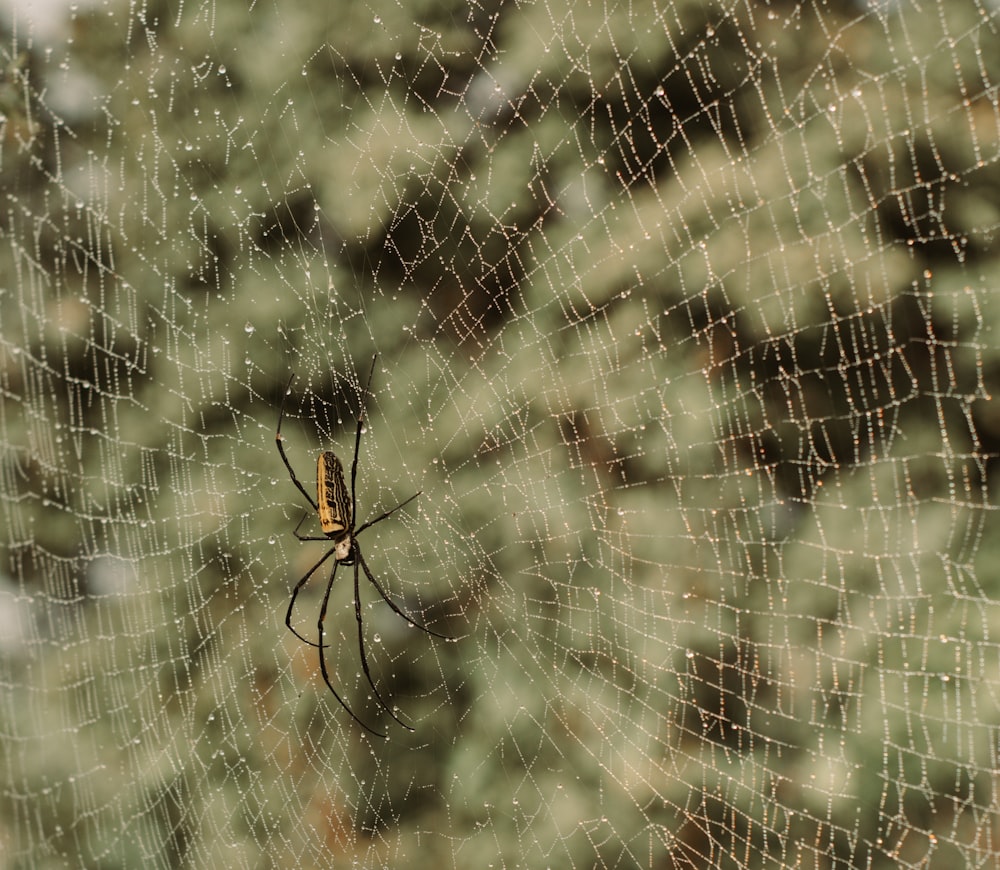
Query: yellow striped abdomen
331,494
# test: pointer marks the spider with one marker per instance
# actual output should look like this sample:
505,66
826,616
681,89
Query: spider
337,517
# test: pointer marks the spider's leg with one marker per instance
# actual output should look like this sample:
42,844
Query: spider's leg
295,594
309,537
322,658
386,515
357,439
361,646
388,600
281,448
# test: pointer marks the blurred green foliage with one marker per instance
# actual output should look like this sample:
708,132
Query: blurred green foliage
684,313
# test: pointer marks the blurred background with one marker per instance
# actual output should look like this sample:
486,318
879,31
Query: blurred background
684,314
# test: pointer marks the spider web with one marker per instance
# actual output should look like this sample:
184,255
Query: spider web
684,314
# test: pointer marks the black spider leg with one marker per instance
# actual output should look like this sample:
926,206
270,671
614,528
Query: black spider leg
361,639
385,516
281,448
295,593
375,583
322,658
388,600
357,443
308,537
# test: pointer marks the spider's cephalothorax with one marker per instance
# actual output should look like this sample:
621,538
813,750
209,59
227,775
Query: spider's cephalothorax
337,511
